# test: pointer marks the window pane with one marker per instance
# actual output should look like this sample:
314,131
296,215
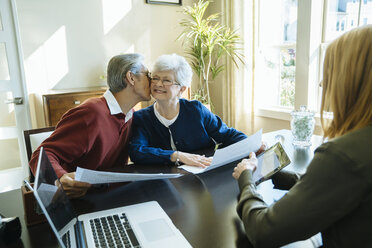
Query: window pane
366,13
342,16
4,69
323,49
287,77
9,149
267,77
277,22
275,61
7,116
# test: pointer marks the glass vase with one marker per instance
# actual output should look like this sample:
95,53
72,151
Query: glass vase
302,126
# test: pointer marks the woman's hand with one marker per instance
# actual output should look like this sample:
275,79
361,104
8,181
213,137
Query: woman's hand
73,189
193,159
245,164
262,148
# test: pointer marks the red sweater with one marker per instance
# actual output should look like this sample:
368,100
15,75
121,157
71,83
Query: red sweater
87,136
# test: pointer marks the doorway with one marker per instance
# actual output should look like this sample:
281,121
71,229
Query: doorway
14,110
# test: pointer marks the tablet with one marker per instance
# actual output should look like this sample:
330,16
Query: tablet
270,162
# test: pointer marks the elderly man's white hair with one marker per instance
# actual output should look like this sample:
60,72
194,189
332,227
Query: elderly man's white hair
178,65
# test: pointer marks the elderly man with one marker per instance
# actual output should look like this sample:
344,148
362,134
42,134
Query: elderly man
95,135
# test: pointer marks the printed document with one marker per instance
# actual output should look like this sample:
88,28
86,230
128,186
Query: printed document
97,177
230,153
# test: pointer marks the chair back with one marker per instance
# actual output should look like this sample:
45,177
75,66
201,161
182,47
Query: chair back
33,139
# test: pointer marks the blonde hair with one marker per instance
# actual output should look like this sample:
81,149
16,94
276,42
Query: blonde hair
347,82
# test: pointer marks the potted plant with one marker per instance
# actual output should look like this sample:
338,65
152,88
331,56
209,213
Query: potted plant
206,42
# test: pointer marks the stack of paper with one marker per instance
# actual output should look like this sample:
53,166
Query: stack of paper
97,177
230,153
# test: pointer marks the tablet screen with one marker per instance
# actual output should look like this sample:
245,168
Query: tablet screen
271,161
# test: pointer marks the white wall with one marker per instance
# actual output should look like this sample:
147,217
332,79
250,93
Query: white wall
68,43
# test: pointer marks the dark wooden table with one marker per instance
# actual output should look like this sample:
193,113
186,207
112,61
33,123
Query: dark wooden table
203,207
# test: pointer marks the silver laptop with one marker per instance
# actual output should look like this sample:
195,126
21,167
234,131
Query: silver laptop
140,225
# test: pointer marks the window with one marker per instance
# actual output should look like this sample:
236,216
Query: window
276,57
350,13
353,12
286,25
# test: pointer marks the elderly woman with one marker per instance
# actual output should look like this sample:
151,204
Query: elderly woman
169,131
334,197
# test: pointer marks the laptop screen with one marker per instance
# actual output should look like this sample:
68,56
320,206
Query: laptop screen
52,199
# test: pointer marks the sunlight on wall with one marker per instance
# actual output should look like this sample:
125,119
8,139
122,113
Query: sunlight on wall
48,64
113,12
130,49
104,69
143,47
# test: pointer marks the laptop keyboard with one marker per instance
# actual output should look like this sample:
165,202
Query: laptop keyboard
113,231
66,239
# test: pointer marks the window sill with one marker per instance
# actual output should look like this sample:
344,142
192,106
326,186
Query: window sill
275,113
280,114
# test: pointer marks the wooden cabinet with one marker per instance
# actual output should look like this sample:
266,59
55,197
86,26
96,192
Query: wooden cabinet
57,102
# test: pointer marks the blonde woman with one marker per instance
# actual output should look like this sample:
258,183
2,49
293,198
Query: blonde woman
334,197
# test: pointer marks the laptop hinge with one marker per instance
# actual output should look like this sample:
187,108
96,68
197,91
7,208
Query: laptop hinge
79,235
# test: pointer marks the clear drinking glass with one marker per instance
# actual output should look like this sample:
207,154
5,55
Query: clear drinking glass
302,126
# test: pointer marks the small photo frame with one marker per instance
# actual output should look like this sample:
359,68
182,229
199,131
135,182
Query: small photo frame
165,2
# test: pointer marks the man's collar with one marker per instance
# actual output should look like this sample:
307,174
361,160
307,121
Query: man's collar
115,107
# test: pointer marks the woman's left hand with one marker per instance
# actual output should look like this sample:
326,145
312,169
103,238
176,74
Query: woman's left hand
195,159
245,164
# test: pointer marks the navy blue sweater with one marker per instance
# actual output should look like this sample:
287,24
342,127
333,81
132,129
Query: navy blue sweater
192,130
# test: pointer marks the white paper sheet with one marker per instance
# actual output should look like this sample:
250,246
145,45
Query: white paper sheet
97,177
230,153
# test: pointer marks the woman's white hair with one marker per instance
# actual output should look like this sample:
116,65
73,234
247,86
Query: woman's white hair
177,64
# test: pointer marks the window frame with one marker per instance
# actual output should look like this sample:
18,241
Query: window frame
311,23
310,20
257,48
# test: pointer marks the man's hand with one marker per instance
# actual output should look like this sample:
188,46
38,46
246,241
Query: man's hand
73,189
192,159
245,164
